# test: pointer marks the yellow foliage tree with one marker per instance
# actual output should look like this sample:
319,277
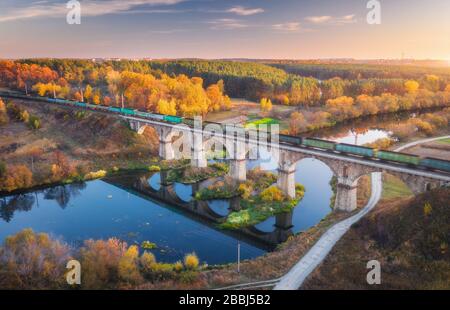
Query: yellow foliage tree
88,93
271,194
266,105
167,107
191,261
128,266
411,86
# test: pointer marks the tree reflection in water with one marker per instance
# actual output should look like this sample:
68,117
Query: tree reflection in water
25,202
9,205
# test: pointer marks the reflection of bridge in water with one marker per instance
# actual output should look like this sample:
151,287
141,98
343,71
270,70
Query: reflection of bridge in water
201,211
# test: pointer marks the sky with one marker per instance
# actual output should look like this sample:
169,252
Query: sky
275,29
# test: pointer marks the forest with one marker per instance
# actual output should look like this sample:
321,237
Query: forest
325,94
102,84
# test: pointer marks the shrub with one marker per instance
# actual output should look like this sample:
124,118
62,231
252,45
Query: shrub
161,271
191,261
34,122
29,260
271,194
24,116
146,262
148,245
178,266
128,269
427,209
154,168
15,177
95,175
245,190
188,276
100,261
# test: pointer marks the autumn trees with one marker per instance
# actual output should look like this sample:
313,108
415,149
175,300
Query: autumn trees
3,114
14,177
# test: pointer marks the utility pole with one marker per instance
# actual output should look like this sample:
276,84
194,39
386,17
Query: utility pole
239,257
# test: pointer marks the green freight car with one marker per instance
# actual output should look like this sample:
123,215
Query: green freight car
114,109
127,111
290,139
435,164
355,149
398,157
173,119
318,143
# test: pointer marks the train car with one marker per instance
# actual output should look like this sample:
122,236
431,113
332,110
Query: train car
355,149
434,163
80,104
290,139
127,111
114,109
150,115
99,107
398,157
322,144
173,119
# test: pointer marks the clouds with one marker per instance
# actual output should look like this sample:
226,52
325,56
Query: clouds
326,19
227,24
239,10
49,9
287,27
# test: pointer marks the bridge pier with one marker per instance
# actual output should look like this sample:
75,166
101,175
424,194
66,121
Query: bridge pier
198,157
286,179
166,151
238,169
346,190
238,163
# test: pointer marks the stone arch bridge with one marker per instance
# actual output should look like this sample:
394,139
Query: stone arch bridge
347,168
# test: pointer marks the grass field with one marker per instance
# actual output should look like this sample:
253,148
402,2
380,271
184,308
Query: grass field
263,121
444,141
394,188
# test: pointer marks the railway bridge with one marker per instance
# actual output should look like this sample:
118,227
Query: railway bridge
346,167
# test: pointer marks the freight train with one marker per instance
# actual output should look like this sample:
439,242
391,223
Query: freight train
322,145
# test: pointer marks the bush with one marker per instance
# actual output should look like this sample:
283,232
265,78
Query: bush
245,190
100,261
146,262
271,194
148,245
15,177
95,175
191,261
34,122
154,168
29,260
128,266
178,266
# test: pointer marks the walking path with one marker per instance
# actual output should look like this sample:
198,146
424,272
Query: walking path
295,277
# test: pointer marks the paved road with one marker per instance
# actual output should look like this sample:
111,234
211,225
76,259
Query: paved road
295,277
